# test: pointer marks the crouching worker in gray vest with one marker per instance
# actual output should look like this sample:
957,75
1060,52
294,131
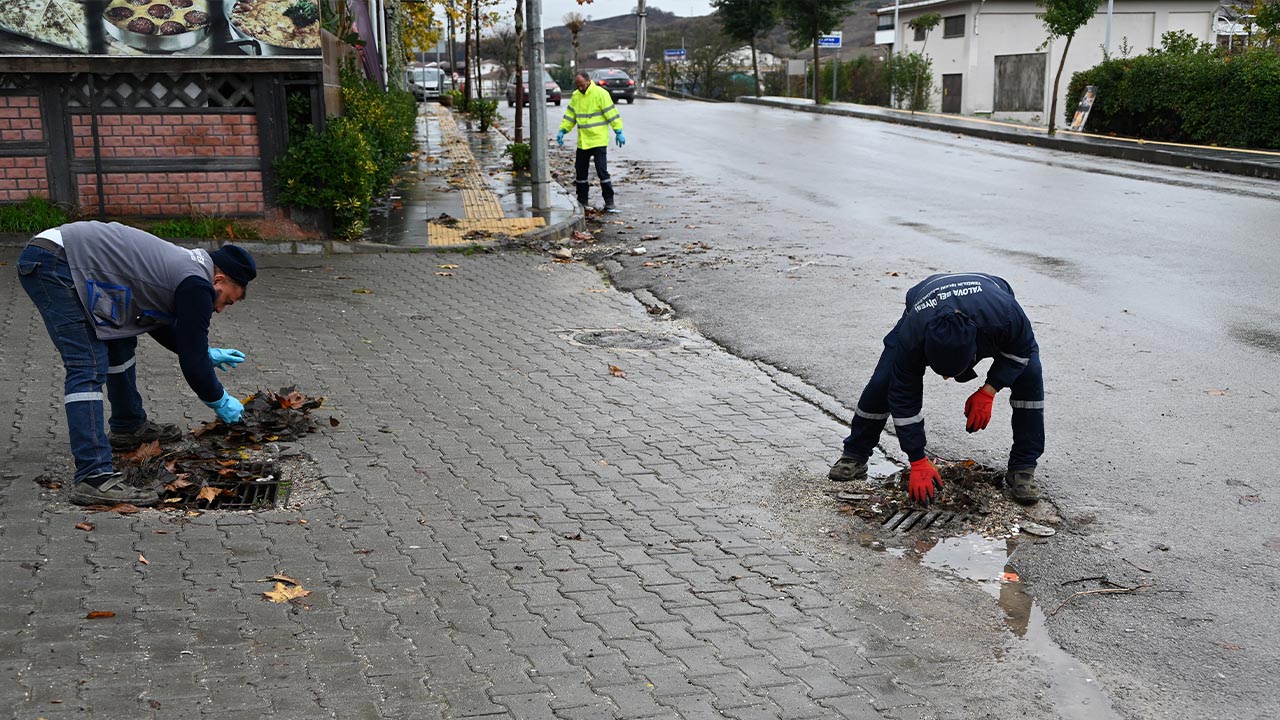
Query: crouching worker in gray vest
99,286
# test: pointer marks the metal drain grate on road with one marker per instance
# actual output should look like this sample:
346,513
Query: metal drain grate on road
625,340
905,521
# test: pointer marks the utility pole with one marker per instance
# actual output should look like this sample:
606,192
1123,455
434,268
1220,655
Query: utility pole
536,56
640,43
520,94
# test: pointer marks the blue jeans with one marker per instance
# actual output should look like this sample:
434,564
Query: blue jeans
1026,396
90,363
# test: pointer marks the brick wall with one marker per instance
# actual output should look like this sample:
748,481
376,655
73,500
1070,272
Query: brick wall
168,137
22,176
175,193
171,137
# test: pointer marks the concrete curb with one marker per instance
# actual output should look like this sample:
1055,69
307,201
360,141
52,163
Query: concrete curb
1212,159
266,247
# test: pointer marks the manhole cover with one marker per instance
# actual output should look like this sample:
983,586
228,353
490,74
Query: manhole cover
624,340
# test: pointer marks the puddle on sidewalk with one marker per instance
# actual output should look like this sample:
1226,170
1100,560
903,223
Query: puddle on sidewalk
1075,692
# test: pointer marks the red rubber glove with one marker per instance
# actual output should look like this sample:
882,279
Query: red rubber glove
925,480
977,410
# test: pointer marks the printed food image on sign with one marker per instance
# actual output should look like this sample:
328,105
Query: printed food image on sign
159,25
235,28
279,26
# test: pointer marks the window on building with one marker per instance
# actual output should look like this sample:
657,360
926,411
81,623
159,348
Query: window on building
884,22
920,33
953,26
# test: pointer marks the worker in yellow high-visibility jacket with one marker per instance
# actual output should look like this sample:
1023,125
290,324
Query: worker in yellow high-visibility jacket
592,110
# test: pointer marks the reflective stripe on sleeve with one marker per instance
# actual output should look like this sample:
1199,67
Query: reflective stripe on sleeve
82,397
602,123
117,369
1015,358
899,422
1027,404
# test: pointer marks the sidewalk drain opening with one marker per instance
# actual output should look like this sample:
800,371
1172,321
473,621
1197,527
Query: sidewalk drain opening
625,340
259,487
904,521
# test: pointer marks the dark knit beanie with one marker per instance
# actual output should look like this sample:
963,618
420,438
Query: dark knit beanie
950,343
236,263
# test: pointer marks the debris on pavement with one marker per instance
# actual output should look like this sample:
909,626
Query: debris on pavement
969,490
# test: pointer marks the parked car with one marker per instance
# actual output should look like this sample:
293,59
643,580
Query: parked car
554,94
617,82
427,83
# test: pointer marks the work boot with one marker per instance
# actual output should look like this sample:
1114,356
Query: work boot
610,208
848,469
109,488
147,432
1022,485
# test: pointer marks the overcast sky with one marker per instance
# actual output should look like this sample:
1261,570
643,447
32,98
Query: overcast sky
553,11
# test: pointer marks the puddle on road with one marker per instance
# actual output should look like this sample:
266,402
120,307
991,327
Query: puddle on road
1075,692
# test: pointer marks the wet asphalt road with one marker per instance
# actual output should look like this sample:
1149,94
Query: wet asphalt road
791,238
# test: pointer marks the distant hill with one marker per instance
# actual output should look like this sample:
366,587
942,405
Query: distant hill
620,31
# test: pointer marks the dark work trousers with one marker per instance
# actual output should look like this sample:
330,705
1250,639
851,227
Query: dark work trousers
580,165
1026,398
90,363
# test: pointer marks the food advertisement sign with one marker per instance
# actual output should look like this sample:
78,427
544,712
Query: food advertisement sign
160,27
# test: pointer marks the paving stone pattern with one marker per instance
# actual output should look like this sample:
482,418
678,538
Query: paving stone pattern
511,530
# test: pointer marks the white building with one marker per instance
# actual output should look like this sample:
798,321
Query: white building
987,54
618,55
741,58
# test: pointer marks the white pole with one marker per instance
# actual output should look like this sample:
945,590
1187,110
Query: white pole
535,53
382,39
1110,7
893,96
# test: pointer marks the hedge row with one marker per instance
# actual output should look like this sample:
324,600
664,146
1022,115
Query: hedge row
1186,94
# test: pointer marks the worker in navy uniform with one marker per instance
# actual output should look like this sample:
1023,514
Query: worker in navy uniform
951,322
98,286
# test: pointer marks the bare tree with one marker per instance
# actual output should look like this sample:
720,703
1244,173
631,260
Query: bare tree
574,23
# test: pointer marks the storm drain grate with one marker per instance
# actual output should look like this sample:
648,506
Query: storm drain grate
265,490
904,521
624,340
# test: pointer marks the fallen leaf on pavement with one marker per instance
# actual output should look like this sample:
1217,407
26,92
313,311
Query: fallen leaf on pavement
143,559
650,238
98,614
445,274
448,266
334,422
1229,646
692,227
616,371
122,508
583,236
894,273
284,593
362,291
210,493
1212,391
144,451
597,290
1009,577
85,526
178,484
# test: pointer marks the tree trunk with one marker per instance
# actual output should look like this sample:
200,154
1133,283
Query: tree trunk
1053,103
755,65
577,64
817,86
467,85
476,50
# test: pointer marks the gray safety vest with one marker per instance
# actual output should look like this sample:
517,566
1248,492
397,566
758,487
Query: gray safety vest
126,278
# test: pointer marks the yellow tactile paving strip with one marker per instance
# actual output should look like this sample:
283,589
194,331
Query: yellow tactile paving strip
484,215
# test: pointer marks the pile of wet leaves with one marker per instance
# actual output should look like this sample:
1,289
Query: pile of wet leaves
970,491
226,466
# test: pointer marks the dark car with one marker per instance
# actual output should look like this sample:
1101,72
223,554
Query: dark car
554,94
617,82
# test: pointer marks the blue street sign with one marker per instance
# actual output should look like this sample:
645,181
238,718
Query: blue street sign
834,40
673,54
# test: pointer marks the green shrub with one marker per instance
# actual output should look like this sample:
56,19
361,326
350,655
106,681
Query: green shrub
484,112
911,77
202,226
334,171
385,117
1186,91
520,153
457,100
31,216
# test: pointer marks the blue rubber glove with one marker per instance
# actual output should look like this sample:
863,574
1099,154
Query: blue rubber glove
560,138
229,409
621,139
225,358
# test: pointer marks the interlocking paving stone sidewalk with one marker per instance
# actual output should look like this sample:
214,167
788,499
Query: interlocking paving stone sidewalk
512,531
